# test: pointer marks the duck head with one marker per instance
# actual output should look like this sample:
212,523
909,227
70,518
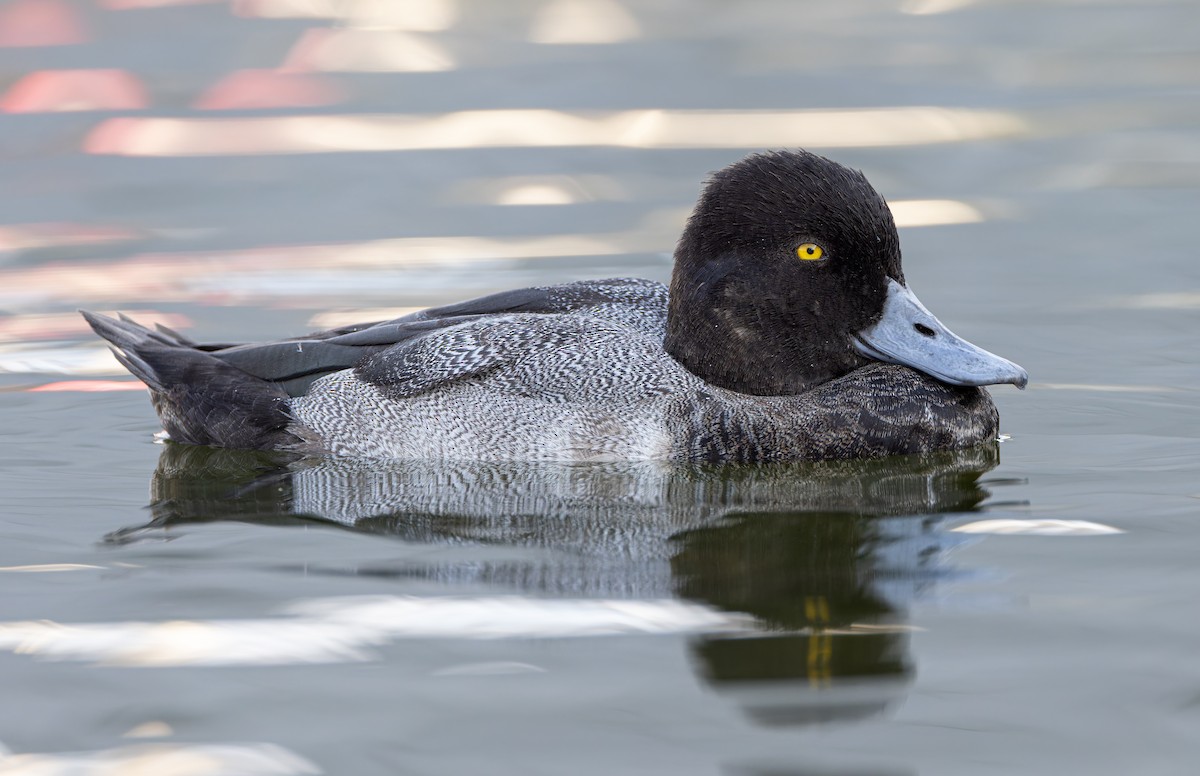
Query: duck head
788,275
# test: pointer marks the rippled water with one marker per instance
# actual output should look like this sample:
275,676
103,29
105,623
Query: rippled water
262,167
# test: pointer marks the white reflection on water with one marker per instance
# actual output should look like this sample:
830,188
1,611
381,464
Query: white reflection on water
1184,300
1045,527
501,668
16,358
1105,388
366,51
151,729
332,319
161,760
413,15
43,568
649,128
931,7
933,212
343,629
536,194
583,22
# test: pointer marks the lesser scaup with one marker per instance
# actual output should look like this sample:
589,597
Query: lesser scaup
788,333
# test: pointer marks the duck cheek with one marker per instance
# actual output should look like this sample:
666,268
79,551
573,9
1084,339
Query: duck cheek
909,334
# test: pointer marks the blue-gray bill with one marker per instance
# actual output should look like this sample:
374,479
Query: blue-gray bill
909,334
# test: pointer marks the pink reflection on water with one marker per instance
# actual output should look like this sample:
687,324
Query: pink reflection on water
162,277
30,23
127,5
244,89
48,91
23,237
88,386
69,325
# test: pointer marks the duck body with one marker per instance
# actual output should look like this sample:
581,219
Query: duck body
757,352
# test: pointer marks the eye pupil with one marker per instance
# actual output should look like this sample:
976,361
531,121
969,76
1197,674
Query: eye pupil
810,251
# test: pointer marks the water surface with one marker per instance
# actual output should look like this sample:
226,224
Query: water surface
257,169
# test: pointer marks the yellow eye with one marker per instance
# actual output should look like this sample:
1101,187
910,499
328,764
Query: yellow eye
810,252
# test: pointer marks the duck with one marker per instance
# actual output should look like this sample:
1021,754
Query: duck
787,333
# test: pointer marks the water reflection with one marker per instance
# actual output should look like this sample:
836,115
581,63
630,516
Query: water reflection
828,580
541,128
828,588
824,558
161,759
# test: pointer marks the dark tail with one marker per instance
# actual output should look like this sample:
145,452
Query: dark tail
200,399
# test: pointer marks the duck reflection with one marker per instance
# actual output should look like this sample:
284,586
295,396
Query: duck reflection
828,589
825,557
